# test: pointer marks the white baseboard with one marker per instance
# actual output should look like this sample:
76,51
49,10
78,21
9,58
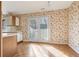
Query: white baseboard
74,49
44,42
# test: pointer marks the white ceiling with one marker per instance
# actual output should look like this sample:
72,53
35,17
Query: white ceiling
22,7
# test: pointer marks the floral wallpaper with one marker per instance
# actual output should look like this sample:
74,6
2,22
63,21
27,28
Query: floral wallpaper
24,27
74,26
59,27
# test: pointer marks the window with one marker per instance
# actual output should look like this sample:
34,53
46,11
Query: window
38,30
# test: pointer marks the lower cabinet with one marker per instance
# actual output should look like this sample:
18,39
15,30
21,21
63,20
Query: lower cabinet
19,37
9,46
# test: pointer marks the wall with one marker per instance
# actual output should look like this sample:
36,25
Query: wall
58,25
0,28
74,26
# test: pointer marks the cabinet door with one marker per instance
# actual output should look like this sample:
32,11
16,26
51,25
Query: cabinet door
9,46
19,37
15,21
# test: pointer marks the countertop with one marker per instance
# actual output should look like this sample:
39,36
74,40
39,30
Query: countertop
8,34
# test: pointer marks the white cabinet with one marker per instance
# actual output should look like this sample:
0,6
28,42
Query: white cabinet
19,36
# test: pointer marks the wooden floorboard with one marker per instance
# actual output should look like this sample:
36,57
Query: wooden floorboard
44,50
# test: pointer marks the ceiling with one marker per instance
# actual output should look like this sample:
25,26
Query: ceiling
22,7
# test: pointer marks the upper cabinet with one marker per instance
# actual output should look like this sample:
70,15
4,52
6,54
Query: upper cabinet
10,20
15,20
10,23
